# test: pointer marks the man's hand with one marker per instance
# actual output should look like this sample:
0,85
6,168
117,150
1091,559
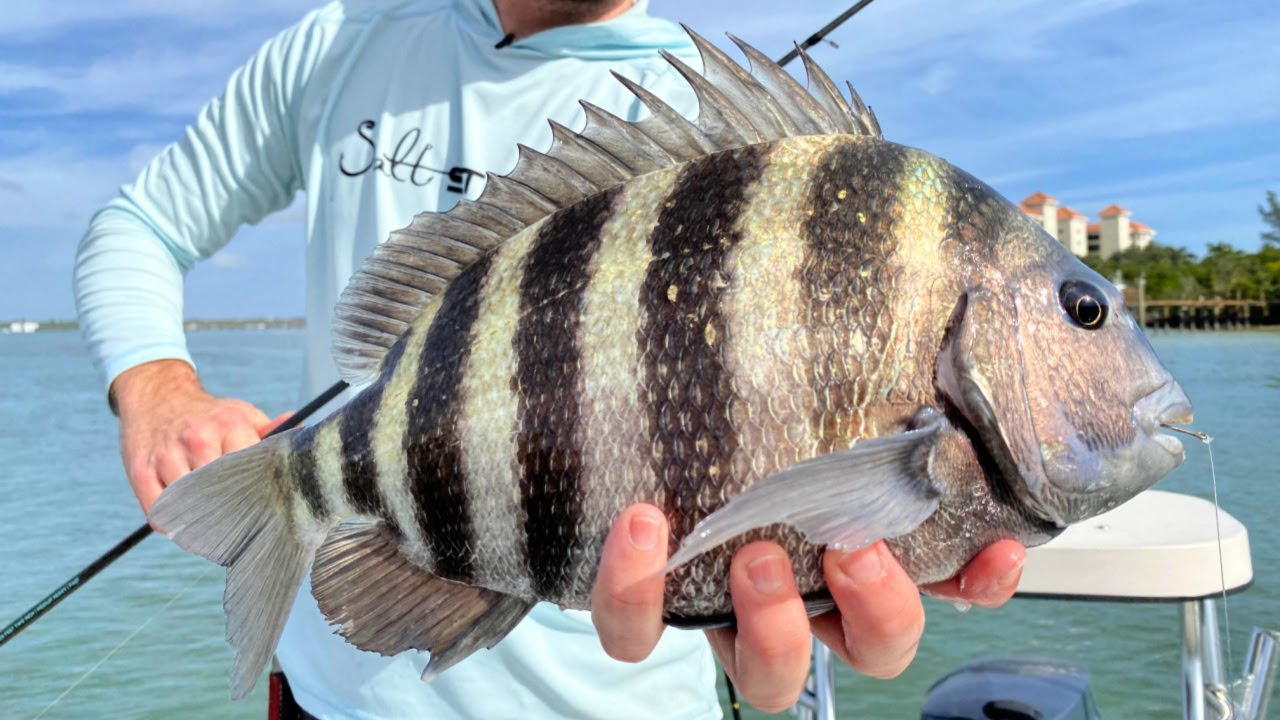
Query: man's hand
170,426
875,627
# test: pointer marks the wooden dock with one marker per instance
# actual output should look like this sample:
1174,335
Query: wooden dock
1199,313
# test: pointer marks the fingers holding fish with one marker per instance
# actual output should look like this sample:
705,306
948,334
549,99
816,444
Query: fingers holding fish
767,654
144,479
169,425
990,578
170,464
238,437
879,619
194,431
626,600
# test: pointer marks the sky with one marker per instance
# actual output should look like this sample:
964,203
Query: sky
1170,108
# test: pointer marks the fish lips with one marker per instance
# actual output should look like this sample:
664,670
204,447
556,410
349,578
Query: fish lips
1168,404
1083,483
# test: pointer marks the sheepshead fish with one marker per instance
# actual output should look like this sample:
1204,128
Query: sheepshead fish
770,322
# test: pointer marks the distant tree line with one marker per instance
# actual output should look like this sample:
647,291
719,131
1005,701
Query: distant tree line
1224,271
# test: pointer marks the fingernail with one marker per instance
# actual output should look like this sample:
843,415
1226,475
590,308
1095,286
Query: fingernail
864,566
644,532
992,586
1012,576
767,574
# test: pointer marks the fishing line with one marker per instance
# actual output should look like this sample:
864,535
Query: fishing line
1222,570
124,642
1217,526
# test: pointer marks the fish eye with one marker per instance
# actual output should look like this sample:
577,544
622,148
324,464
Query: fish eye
1085,303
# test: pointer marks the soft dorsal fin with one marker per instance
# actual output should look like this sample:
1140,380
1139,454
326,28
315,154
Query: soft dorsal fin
735,108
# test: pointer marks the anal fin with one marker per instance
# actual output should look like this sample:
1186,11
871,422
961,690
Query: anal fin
384,603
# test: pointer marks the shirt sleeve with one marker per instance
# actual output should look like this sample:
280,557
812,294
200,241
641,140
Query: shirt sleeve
237,163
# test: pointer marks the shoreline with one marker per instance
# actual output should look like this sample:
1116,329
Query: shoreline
7,327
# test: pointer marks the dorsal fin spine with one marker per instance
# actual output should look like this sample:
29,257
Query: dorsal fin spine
826,93
685,139
605,129
607,169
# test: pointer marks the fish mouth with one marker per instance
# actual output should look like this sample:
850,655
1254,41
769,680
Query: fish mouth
1167,405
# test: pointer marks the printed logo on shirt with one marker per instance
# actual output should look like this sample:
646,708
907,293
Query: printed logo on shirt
405,162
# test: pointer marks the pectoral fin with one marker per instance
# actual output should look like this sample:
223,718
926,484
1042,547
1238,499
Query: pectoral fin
876,489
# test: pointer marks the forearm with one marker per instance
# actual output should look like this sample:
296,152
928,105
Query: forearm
128,288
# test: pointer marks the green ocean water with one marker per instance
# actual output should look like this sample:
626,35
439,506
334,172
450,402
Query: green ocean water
148,631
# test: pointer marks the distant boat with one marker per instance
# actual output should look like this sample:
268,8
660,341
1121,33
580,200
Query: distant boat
23,326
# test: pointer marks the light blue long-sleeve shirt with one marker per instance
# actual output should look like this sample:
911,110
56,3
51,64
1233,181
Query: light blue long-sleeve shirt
379,110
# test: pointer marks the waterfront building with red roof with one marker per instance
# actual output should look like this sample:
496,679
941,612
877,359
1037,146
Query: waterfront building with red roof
1114,232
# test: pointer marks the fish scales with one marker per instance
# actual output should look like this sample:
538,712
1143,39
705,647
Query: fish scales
326,449
820,340
846,277
437,479
768,349
613,428
548,351
387,436
490,411
689,390
359,461
302,467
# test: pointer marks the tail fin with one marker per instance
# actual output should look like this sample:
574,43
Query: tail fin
237,512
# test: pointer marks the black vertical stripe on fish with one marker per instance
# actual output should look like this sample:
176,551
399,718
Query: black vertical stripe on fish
359,466
551,296
849,241
432,446
978,212
683,341
302,465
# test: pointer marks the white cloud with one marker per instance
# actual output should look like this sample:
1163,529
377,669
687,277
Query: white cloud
226,260
939,78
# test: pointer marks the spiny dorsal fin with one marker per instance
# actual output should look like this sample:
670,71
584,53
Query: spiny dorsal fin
736,107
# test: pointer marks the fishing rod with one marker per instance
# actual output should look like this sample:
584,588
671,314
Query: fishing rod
817,37
76,581
64,590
